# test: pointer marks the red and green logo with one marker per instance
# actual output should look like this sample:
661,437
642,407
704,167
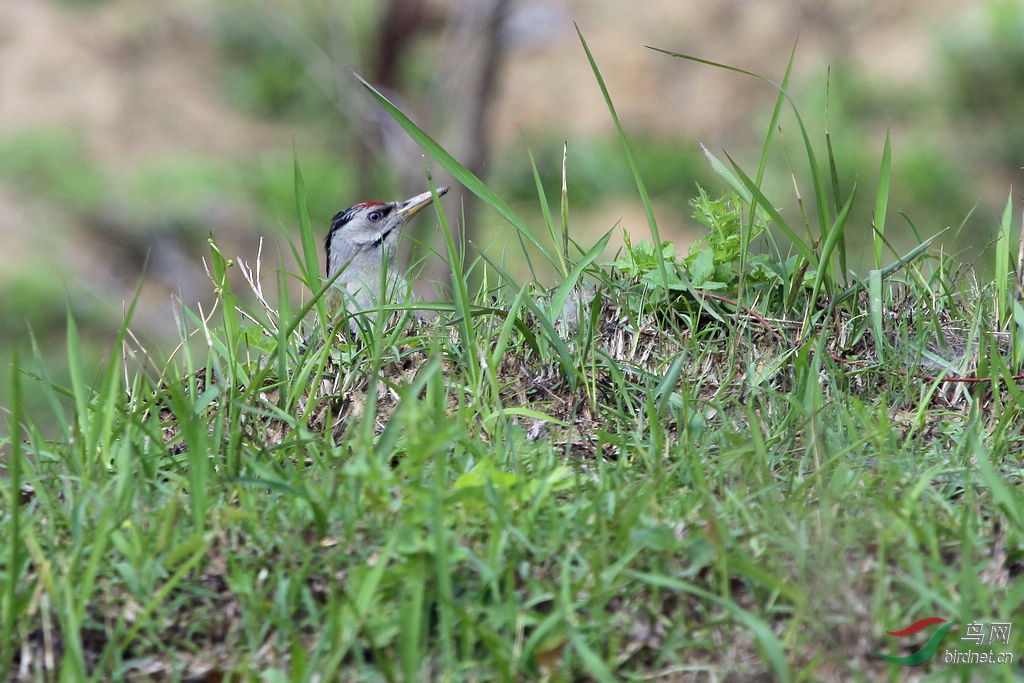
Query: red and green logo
929,649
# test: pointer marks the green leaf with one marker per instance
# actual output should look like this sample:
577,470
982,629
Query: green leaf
702,267
486,473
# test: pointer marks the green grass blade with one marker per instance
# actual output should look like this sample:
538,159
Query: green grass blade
52,393
735,184
388,439
833,236
762,166
900,263
772,650
820,199
561,294
564,204
229,311
412,618
458,171
773,122
819,187
460,290
1003,310
668,384
762,201
199,547
79,388
108,409
717,65
549,221
592,662
836,203
1006,498
645,199
875,306
10,602
544,319
882,199
309,262
782,87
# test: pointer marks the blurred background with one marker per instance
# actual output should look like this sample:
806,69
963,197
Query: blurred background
130,132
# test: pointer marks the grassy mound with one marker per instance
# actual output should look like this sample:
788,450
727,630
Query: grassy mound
744,463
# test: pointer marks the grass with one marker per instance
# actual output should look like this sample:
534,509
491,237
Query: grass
743,467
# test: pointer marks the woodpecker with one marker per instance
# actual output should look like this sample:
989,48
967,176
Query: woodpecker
362,241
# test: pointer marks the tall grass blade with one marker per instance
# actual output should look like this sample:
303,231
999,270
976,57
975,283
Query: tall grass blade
52,393
833,237
388,440
900,263
544,319
837,202
229,311
645,200
1003,264
819,189
561,295
458,171
565,204
773,125
757,196
762,166
10,602
310,251
820,199
108,408
411,625
882,200
549,221
79,389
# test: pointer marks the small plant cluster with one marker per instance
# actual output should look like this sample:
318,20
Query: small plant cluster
716,261
756,482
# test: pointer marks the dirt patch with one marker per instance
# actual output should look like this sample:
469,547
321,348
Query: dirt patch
136,82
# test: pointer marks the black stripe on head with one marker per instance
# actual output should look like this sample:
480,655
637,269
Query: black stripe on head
343,218
340,219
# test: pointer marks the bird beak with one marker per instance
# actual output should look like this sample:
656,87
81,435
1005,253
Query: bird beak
410,206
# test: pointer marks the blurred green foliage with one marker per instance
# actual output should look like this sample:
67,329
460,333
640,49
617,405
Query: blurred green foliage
329,180
986,85
597,171
50,168
259,75
52,164
285,62
31,300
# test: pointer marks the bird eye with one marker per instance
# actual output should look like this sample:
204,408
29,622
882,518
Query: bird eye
374,216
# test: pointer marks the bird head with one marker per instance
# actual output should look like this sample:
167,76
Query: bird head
364,236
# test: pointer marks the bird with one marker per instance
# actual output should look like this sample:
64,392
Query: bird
361,243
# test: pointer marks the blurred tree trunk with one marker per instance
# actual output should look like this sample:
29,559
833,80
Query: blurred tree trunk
468,79
481,44
455,109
